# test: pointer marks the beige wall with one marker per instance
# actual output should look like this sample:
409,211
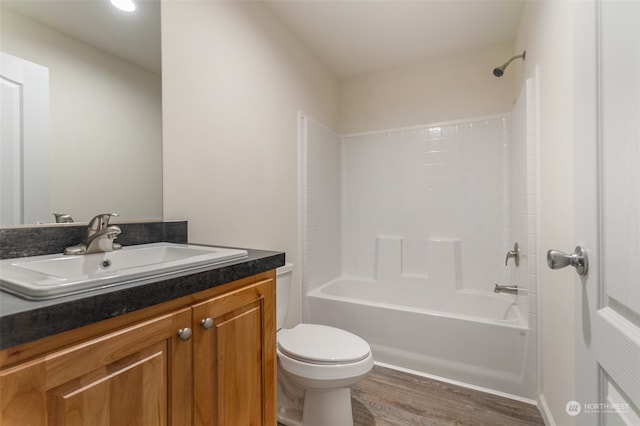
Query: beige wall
546,33
233,81
457,85
105,138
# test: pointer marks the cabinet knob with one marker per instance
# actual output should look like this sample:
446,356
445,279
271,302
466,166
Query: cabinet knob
207,323
184,333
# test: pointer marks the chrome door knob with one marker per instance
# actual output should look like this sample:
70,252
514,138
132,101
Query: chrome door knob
557,259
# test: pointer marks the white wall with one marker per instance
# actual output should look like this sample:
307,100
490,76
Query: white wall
454,86
106,151
234,80
546,34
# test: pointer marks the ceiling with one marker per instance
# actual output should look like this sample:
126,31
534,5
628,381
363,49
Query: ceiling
349,36
354,37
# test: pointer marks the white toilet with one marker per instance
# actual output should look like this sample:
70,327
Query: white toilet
317,365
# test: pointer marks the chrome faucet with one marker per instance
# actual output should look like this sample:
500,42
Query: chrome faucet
509,289
100,236
63,218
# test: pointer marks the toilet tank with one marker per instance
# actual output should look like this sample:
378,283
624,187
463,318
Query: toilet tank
283,289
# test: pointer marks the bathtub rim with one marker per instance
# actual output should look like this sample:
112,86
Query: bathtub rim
519,323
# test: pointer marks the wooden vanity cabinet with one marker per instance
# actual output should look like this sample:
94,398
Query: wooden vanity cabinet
235,358
130,376
173,368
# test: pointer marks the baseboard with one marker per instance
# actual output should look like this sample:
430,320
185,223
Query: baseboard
543,407
458,383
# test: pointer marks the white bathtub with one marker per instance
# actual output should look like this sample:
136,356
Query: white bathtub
478,339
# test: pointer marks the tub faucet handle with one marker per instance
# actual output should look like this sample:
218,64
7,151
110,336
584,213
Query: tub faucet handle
515,254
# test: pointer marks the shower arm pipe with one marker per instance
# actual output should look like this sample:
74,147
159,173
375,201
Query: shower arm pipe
513,58
499,71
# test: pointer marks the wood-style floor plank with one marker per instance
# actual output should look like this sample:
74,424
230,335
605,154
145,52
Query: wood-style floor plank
389,397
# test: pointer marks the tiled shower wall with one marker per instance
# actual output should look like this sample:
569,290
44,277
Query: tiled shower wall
320,162
437,183
467,181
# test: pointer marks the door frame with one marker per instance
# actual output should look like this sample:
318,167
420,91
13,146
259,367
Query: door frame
32,144
587,376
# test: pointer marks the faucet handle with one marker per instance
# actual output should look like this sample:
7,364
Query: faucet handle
108,217
63,217
99,222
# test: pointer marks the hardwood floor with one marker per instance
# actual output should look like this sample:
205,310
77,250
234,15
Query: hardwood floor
392,398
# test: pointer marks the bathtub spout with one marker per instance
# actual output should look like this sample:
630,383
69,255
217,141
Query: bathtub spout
510,289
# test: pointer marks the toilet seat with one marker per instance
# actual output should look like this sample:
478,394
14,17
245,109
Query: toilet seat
321,344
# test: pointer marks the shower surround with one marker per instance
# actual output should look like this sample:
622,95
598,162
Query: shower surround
433,207
442,188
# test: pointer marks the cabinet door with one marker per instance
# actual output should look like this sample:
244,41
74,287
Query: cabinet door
140,375
234,358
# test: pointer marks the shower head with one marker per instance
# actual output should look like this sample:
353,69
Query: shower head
499,71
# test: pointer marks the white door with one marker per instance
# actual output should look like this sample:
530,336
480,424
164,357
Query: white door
24,142
607,190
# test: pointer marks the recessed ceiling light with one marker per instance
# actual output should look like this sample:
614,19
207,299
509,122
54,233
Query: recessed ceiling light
126,5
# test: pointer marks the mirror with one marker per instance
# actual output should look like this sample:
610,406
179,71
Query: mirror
104,107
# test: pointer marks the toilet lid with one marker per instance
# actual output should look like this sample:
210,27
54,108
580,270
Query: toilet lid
322,344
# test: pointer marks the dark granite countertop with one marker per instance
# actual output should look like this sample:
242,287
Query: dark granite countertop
23,321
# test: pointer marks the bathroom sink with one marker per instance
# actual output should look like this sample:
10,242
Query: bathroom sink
49,276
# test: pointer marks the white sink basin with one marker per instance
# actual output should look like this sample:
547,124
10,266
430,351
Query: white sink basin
49,276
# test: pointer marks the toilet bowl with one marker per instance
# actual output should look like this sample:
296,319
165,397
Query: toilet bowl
317,365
